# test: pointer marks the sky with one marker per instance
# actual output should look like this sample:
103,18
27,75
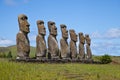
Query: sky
98,18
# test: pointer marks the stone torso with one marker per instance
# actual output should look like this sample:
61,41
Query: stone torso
41,46
65,52
53,46
73,49
81,51
23,46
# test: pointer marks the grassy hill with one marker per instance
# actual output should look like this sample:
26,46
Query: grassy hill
13,49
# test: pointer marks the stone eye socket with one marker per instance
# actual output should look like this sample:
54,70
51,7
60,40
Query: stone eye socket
23,18
40,23
51,24
64,27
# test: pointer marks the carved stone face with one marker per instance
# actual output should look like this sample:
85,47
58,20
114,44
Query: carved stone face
64,31
41,27
86,36
52,28
88,40
81,34
23,23
73,35
81,38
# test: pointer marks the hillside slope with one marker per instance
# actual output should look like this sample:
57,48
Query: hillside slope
13,50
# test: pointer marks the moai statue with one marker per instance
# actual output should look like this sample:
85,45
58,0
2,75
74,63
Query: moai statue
81,46
22,41
53,49
41,49
88,49
73,47
65,52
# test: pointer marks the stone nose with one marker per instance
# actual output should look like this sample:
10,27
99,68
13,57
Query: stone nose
27,24
55,28
66,31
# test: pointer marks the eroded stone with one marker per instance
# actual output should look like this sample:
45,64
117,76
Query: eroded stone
81,46
88,49
65,52
41,48
53,49
22,41
73,47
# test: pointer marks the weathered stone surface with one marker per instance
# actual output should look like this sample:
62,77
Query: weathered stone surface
41,49
81,46
65,51
56,61
73,47
53,49
88,49
22,41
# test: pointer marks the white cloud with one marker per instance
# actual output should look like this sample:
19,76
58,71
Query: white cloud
6,42
15,2
32,37
106,47
10,2
96,34
109,34
113,33
106,42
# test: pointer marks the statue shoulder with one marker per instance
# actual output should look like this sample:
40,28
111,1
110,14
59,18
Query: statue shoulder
20,34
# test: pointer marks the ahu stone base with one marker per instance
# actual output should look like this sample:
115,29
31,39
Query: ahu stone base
54,60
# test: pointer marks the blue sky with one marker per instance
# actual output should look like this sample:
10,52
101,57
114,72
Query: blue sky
98,18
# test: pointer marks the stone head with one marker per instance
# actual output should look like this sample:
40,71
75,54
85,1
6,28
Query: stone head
64,31
88,40
80,34
52,28
23,23
41,27
87,35
81,37
73,35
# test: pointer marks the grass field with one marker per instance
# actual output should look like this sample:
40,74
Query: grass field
67,71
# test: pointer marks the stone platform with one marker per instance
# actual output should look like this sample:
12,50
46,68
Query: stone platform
55,61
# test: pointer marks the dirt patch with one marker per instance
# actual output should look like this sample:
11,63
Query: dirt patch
74,76
115,62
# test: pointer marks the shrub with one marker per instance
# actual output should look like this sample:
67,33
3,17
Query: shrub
105,59
2,55
9,55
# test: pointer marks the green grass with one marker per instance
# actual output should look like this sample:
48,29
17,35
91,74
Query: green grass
67,71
